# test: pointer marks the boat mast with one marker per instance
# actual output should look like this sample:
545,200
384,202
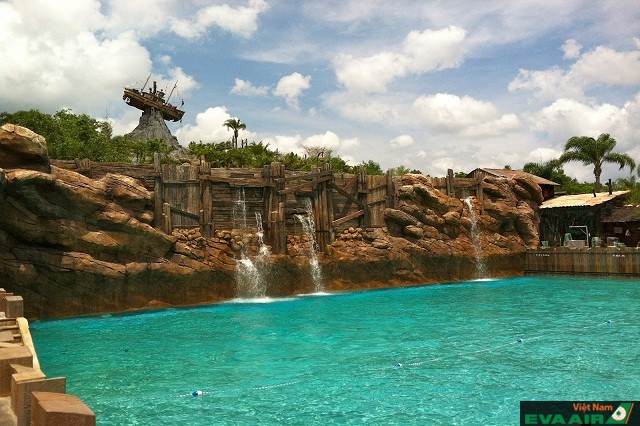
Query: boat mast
145,83
170,93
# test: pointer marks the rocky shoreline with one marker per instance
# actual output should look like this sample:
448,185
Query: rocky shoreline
73,246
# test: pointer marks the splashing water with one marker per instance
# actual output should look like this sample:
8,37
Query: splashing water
481,267
309,227
250,273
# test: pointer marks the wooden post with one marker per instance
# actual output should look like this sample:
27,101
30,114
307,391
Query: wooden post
391,193
206,216
166,219
157,192
275,203
363,197
328,206
451,191
480,195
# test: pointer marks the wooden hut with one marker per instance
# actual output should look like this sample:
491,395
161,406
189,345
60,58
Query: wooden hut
580,215
623,223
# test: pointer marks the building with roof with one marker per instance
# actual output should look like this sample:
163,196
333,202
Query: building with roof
547,186
580,215
624,224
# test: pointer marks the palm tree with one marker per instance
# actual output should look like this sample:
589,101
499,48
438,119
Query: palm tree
236,125
596,152
549,169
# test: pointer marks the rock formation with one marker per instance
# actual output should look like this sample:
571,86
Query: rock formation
153,126
71,245
22,148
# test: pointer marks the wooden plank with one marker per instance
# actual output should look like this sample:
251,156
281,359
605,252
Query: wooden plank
350,197
348,217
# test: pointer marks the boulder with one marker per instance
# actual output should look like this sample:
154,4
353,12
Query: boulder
20,148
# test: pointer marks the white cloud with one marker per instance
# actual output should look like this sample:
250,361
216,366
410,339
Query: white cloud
327,140
599,66
435,50
284,143
241,21
402,141
291,87
349,144
209,128
571,49
447,113
430,50
369,75
245,88
543,154
60,54
565,118
370,109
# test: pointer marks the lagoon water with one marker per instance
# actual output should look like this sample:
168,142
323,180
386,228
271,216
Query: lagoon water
454,354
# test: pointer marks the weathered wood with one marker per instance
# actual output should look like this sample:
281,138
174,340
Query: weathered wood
166,218
350,197
588,261
348,217
450,179
391,199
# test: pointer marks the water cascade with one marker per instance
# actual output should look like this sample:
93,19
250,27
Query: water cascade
309,227
481,267
250,278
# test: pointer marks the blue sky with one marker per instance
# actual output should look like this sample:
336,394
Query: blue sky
429,85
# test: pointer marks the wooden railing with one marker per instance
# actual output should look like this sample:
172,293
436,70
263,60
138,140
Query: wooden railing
590,261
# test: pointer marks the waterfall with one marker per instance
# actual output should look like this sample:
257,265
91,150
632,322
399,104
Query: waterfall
239,211
309,227
250,273
481,267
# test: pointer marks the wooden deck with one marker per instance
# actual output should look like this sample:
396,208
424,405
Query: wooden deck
620,261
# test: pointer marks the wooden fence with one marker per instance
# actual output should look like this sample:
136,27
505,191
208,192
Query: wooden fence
270,198
588,261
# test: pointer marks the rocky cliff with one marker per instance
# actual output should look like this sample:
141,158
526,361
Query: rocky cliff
71,245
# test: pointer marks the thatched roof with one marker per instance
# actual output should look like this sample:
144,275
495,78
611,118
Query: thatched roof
582,200
623,214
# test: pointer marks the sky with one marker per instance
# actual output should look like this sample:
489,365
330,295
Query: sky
428,85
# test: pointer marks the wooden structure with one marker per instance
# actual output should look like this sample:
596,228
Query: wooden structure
198,196
576,214
154,98
623,223
269,198
589,261
547,186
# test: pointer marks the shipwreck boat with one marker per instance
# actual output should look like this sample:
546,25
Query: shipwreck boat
155,99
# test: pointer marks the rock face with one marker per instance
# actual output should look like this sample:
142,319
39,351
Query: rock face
71,245
153,126
20,148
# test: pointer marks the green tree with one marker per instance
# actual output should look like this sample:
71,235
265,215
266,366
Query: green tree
143,150
551,170
236,125
595,152
372,168
400,170
39,122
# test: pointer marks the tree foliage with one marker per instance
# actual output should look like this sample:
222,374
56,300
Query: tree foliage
595,152
70,136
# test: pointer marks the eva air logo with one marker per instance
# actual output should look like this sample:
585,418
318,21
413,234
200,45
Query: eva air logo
621,415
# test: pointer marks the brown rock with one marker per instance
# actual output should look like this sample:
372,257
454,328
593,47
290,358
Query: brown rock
20,148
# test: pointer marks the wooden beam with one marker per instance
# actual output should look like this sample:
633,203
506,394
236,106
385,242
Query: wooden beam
348,217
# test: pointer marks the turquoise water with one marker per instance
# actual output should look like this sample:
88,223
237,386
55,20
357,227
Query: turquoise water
445,354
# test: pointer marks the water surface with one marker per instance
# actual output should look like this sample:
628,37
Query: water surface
447,354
